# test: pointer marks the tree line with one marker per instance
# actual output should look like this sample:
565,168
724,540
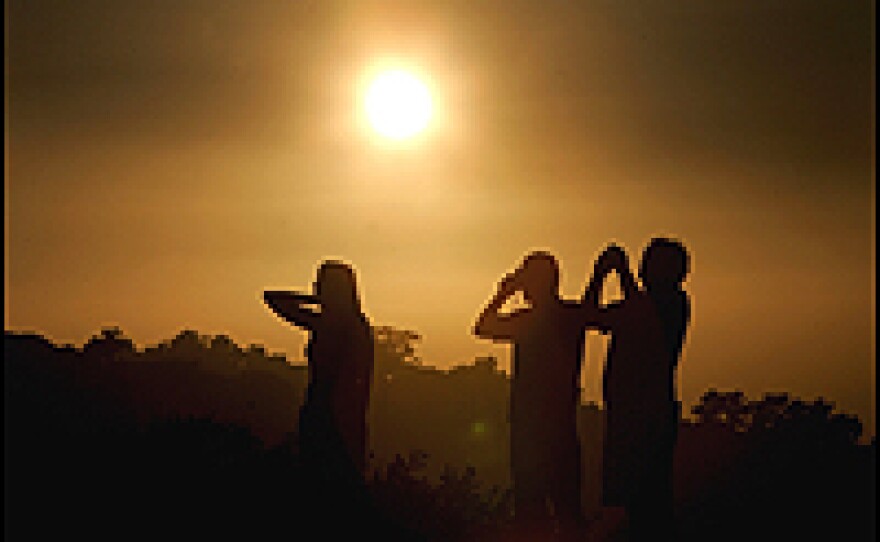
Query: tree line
197,425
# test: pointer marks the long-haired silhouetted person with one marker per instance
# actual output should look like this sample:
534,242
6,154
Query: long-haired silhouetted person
547,339
332,422
647,330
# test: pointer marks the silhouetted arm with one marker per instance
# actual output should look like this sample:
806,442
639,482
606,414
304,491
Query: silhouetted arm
685,320
628,283
615,259
612,258
593,292
293,307
604,319
491,324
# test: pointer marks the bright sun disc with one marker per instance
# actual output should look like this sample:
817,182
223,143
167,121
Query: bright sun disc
398,104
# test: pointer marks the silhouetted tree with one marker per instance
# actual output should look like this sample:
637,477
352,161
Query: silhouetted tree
169,448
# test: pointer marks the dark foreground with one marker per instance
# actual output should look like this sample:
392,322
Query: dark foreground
86,459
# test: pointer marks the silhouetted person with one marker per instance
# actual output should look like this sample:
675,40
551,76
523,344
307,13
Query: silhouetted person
647,333
332,423
547,339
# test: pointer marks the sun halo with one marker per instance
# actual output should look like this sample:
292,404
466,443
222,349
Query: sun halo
398,104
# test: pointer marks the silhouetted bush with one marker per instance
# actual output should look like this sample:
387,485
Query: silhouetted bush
453,508
778,466
195,437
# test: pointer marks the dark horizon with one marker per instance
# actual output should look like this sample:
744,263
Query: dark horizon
413,359
204,437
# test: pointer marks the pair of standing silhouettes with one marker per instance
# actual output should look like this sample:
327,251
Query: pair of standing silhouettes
647,332
647,329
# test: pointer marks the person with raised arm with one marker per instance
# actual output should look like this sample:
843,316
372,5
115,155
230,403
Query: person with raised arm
333,419
648,328
547,340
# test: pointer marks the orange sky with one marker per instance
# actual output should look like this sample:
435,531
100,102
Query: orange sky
167,161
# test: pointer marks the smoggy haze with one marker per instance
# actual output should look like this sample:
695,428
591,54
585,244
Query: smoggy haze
166,161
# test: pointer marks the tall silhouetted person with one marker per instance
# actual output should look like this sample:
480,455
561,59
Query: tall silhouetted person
547,339
332,422
647,333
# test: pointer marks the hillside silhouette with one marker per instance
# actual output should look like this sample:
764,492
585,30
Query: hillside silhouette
195,437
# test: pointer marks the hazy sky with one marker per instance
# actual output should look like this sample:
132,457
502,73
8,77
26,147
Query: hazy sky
167,161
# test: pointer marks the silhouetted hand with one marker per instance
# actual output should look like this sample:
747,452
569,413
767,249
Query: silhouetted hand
613,258
509,284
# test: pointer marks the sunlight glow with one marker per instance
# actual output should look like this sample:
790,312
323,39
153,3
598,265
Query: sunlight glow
398,104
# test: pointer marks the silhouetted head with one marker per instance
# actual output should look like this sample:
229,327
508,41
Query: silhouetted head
336,286
664,264
539,277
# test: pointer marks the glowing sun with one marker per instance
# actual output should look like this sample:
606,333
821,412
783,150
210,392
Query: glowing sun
398,104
